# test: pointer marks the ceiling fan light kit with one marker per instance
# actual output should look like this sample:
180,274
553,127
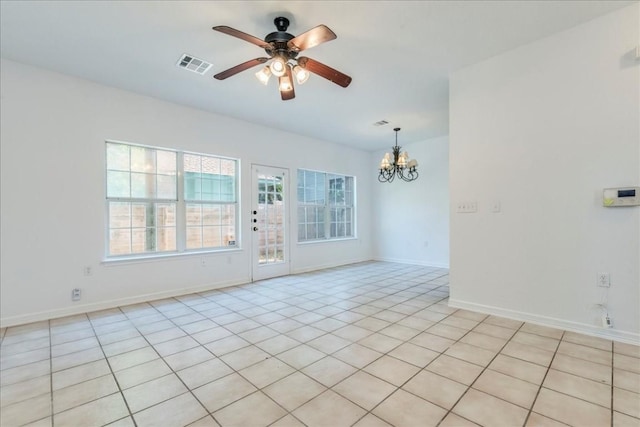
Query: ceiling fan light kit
283,49
301,74
397,164
278,66
263,75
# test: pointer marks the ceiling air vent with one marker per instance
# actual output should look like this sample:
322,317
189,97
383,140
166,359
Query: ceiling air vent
381,123
191,63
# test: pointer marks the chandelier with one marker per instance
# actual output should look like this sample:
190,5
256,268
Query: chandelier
399,165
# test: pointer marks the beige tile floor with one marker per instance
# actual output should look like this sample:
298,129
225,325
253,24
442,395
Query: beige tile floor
369,344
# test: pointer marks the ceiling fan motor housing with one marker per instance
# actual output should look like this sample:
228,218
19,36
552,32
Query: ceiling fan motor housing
278,39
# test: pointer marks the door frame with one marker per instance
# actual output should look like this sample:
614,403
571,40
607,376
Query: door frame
262,272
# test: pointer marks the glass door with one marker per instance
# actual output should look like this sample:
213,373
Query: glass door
269,219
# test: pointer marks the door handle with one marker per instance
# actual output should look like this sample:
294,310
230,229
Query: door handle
255,228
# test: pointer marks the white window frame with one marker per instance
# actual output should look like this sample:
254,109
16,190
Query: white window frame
232,242
180,208
327,208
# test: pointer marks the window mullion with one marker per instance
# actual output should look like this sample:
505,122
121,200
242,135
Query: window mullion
181,214
327,209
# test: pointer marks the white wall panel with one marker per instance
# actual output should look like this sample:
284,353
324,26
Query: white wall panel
543,129
411,219
53,130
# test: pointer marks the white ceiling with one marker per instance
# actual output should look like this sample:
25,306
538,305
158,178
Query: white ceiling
399,54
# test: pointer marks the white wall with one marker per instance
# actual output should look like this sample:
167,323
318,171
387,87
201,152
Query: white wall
411,219
543,129
53,129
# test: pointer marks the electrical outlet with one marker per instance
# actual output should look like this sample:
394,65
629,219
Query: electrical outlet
87,270
203,262
604,280
606,321
76,294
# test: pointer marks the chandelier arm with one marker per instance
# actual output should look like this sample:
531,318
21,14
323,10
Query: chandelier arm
412,175
386,175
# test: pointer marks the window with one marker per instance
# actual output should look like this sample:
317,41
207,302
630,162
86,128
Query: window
210,197
150,212
325,206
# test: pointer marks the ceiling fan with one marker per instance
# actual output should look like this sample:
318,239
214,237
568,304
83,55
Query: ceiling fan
283,49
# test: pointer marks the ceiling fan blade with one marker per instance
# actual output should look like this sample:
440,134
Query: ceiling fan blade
285,84
311,38
243,36
240,67
324,71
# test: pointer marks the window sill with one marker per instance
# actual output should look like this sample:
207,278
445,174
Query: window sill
125,260
311,242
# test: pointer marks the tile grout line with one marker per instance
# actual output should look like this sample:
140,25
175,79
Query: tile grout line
544,378
50,373
112,372
612,377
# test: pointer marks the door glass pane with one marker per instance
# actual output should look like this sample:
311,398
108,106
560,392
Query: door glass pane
270,219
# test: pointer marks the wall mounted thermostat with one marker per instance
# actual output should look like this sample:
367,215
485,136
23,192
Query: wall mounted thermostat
623,196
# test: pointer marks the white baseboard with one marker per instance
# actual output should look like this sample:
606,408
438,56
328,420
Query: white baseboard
119,302
307,269
582,328
105,305
412,262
